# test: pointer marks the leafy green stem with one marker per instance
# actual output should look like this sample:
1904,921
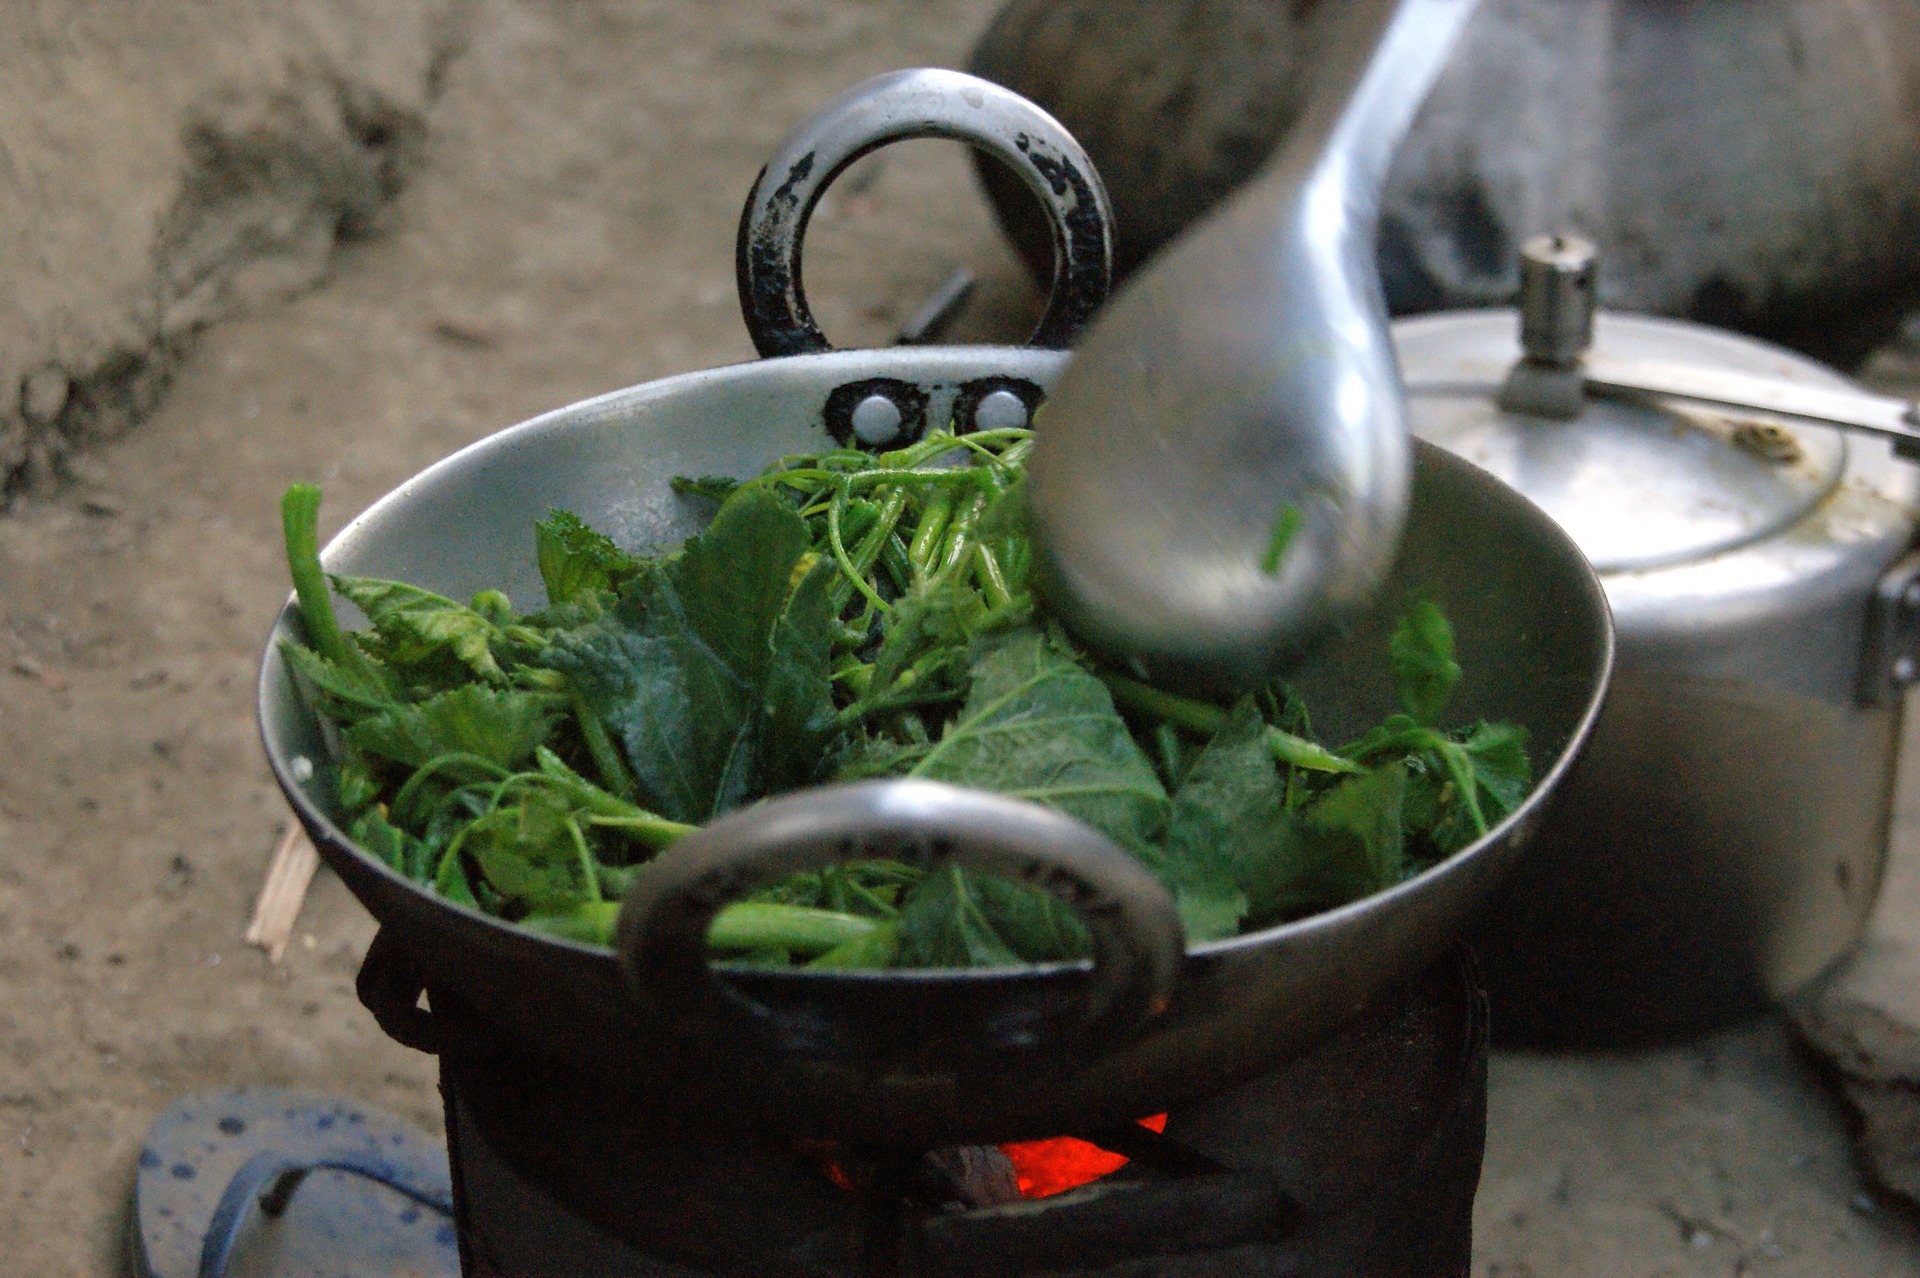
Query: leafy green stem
799,929
300,523
926,536
1201,717
959,541
434,767
583,855
655,831
856,576
993,582
1299,752
600,748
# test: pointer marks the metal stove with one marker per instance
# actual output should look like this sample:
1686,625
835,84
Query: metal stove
1360,1158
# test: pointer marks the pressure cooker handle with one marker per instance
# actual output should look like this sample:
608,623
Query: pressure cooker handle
1137,942
922,103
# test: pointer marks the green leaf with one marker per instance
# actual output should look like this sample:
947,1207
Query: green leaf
683,718
1492,758
1035,924
1498,752
413,624
345,692
797,703
712,487
711,678
1424,670
498,725
735,579
1037,726
451,881
956,919
863,757
1346,845
603,808
1396,735
386,842
1005,518
528,854
354,784
1228,820
577,563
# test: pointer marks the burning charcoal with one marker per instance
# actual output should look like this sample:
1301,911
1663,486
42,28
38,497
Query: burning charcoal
967,1176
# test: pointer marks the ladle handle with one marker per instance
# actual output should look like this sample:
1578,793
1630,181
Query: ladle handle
1138,944
922,103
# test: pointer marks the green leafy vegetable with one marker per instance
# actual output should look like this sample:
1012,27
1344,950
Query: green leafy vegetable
848,615
1286,526
711,673
300,525
1423,666
577,563
413,624
1344,846
1037,726
500,727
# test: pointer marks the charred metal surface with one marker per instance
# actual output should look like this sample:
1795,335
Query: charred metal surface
767,264
966,406
920,104
909,398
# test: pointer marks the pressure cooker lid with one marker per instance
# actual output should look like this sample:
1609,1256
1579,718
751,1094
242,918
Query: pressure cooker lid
1638,483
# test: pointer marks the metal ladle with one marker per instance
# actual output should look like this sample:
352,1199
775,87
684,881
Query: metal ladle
1222,474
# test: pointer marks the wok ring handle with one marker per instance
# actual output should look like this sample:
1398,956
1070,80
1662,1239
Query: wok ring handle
1138,945
922,103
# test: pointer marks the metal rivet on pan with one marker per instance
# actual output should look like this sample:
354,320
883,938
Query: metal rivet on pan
1001,410
876,420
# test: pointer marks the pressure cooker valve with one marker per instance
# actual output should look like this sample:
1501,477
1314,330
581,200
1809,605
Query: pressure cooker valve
1557,274
1559,368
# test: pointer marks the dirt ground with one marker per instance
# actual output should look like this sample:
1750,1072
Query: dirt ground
572,232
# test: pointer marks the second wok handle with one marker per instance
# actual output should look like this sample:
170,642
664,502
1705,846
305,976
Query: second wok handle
1138,944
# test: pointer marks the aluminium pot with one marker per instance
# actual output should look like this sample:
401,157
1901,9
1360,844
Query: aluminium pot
1723,841
926,1058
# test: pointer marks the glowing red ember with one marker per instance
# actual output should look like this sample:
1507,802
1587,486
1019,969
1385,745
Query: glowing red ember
1060,1163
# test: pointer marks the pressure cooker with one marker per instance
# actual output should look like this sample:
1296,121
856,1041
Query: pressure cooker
1752,520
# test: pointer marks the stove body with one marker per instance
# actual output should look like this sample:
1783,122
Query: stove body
1360,1158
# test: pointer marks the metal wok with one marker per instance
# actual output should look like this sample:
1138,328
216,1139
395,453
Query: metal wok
941,1057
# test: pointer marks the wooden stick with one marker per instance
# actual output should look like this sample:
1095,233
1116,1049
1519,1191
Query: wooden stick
282,893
